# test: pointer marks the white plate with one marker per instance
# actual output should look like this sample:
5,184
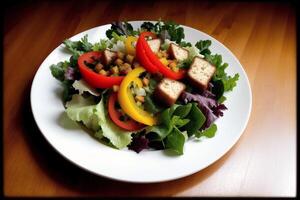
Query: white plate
148,166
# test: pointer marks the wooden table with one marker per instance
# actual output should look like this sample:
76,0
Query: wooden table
261,35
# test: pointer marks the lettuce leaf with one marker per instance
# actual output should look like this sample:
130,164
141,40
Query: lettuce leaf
83,110
209,106
209,132
175,141
94,117
82,87
228,81
78,47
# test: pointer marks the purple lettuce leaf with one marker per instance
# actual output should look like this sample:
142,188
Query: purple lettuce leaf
139,143
209,106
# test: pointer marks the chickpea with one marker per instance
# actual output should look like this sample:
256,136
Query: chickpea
125,68
172,64
175,68
103,72
98,67
120,55
165,54
115,70
115,88
145,81
129,58
119,62
136,64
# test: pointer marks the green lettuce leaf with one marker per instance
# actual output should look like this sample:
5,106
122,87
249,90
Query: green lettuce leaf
95,117
197,119
83,110
209,132
83,86
175,141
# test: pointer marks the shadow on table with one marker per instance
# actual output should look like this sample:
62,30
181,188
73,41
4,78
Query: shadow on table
70,176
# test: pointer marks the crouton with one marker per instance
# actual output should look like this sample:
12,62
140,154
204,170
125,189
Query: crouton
177,52
200,73
154,45
108,57
168,91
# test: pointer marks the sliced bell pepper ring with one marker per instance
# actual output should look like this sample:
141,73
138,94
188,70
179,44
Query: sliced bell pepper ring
127,102
92,78
130,124
130,49
143,59
155,60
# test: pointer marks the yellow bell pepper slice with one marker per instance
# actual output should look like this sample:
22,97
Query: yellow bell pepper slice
130,49
164,61
127,102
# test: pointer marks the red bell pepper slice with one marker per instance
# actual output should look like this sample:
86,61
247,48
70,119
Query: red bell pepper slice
161,68
92,78
143,59
130,124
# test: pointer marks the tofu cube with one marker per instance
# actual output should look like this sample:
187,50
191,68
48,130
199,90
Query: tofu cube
177,52
168,91
200,73
108,57
154,45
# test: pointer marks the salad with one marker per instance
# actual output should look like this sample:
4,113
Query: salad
146,88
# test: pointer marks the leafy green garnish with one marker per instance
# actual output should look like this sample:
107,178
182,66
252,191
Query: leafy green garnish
167,30
147,26
150,106
100,46
209,132
58,70
221,99
175,141
197,119
183,110
174,119
175,31
185,44
203,46
228,81
185,64
78,47
120,28
68,90
218,88
178,122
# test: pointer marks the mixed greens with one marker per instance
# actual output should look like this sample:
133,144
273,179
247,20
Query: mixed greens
137,88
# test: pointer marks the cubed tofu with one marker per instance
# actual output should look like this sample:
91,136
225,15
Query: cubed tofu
177,52
200,73
168,91
154,45
108,57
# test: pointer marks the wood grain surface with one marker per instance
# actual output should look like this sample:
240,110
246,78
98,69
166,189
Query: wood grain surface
261,35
